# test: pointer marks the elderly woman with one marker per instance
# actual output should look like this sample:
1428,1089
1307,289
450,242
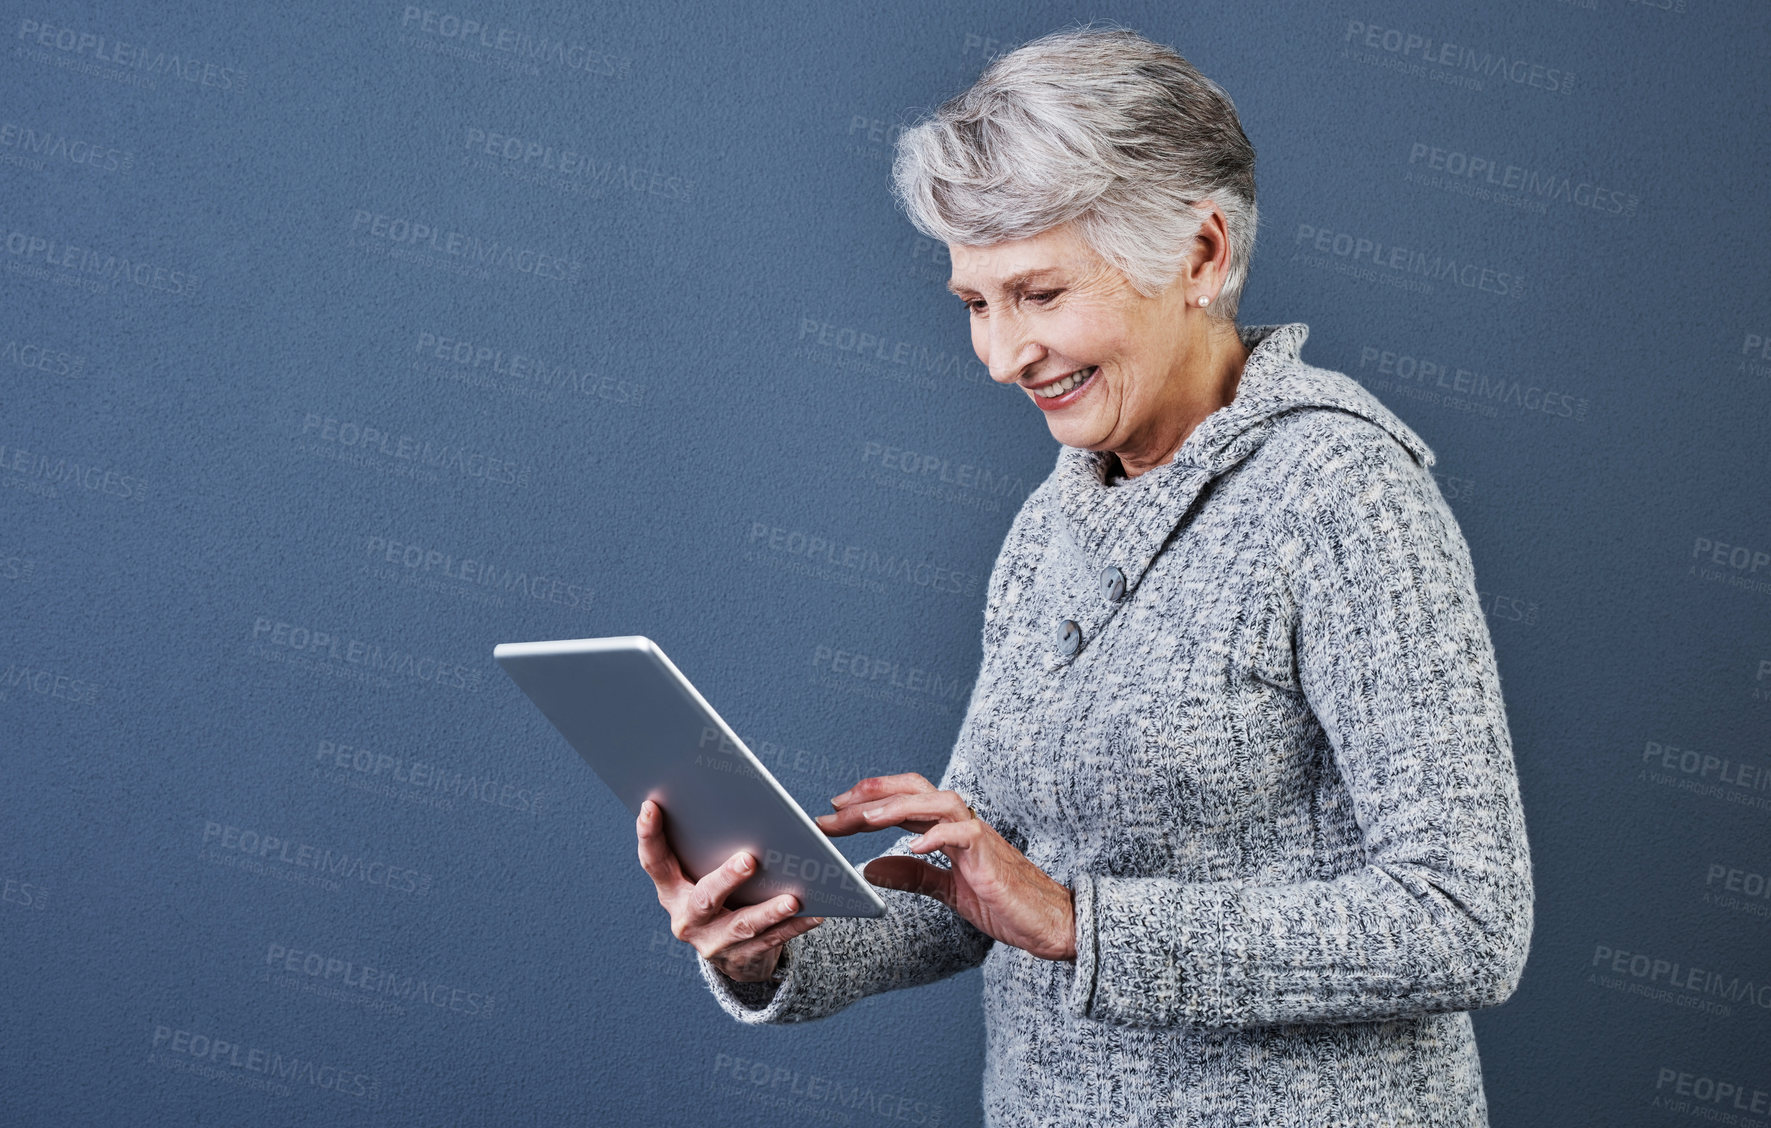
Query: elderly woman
1231,821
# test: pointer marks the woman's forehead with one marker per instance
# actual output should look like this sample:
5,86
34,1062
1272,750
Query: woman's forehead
1019,263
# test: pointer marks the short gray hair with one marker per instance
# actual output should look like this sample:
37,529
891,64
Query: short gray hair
1097,126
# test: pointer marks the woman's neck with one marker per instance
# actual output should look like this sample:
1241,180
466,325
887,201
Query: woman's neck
1215,387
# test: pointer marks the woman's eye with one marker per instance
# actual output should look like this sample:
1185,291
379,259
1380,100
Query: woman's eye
976,305
1043,296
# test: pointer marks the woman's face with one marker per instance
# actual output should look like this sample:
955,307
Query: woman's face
1048,307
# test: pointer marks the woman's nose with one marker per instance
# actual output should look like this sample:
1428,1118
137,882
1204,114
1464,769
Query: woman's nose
1012,351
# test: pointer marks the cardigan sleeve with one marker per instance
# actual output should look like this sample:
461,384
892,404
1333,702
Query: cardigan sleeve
919,940
1395,660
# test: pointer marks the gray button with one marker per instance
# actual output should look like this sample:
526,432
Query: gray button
1069,637
1112,584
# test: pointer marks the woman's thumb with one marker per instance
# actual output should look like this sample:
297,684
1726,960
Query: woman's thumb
911,875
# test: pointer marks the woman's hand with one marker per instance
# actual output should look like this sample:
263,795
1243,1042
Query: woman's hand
744,944
991,884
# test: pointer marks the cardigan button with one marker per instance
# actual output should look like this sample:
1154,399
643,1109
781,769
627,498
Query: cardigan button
1069,637
1112,584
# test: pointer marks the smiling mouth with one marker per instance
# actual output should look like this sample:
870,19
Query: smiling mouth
1062,384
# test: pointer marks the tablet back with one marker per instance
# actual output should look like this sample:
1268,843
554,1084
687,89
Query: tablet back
649,734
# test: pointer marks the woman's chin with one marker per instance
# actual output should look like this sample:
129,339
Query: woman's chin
1073,432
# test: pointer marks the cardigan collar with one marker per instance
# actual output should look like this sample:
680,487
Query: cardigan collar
1125,524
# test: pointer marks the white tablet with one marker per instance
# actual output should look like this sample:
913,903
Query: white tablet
649,734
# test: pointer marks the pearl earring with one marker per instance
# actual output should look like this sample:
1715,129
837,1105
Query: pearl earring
1203,299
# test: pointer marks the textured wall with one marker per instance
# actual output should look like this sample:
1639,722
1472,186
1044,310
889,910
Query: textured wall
341,342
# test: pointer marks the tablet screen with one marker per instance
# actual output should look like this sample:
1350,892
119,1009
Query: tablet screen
649,734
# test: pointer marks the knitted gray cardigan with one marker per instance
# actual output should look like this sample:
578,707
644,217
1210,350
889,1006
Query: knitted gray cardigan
1275,772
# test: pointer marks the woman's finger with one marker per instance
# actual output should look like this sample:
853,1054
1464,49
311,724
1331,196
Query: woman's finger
656,856
948,837
847,821
746,924
773,937
913,812
706,898
878,787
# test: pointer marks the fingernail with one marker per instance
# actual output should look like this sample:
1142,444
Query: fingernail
873,812
835,799
744,863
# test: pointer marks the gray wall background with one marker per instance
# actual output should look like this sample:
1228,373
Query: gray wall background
340,343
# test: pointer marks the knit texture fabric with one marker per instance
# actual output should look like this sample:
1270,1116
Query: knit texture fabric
1276,775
